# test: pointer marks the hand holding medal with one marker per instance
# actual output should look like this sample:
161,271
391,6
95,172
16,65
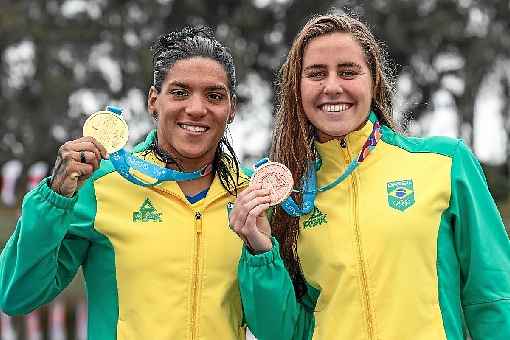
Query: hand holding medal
270,184
79,158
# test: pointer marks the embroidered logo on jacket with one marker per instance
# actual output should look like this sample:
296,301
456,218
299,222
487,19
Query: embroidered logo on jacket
317,218
400,194
147,213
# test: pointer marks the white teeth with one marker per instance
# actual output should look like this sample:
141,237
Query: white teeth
193,128
334,108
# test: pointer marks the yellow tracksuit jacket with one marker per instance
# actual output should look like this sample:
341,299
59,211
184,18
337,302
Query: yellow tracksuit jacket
409,247
155,266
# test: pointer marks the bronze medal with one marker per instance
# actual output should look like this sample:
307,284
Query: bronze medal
276,177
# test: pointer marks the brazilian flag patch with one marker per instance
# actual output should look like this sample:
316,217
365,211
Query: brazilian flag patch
400,194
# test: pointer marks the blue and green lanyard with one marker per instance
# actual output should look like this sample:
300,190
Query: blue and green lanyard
309,187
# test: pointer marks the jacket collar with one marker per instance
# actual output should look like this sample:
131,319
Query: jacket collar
216,189
335,157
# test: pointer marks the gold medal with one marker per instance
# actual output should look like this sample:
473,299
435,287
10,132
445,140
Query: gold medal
277,178
108,128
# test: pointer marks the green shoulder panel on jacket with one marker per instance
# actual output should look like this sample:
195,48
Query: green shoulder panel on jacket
247,171
146,143
105,168
440,145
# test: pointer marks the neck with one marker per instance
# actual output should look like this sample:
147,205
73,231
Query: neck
191,188
189,166
179,163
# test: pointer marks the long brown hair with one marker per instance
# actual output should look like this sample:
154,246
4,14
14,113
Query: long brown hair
294,135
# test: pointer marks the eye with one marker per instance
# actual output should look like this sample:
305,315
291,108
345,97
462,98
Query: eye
179,93
215,96
316,75
348,74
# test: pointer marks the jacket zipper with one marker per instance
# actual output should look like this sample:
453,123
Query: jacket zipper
357,236
196,275
196,261
196,258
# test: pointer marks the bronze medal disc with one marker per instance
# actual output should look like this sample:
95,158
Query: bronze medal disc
108,128
276,177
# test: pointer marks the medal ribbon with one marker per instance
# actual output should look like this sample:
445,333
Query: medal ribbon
127,165
310,190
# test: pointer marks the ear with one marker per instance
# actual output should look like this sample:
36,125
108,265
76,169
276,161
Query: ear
152,99
233,108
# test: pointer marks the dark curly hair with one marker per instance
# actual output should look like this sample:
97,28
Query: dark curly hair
190,42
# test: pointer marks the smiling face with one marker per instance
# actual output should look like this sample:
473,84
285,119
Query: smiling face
336,85
193,107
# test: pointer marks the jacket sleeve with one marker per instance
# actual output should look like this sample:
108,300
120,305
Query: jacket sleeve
483,249
41,257
271,309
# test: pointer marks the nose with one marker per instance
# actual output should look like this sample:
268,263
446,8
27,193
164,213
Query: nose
197,106
332,86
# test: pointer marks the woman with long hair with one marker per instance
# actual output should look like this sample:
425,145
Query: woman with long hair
385,236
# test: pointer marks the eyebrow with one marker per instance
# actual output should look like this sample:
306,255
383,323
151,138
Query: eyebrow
314,66
350,64
219,87
346,64
178,83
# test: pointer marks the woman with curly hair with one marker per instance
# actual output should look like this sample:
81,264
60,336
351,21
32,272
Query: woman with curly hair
159,262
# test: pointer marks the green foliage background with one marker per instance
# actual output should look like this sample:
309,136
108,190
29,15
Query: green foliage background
415,32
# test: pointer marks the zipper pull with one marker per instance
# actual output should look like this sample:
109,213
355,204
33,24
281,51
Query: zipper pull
343,143
198,219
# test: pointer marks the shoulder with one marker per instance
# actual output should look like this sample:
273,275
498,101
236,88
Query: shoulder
246,172
441,145
105,168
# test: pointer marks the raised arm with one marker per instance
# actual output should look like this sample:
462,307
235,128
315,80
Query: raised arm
41,257
50,240
271,308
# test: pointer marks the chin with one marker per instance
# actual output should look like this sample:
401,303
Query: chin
194,153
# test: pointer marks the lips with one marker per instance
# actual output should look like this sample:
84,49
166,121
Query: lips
193,127
335,107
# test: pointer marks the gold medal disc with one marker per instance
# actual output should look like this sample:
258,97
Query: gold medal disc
108,128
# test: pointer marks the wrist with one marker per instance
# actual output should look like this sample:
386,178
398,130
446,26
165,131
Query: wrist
58,190
259,247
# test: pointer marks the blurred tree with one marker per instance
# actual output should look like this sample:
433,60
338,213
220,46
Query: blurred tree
62,59
77,48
